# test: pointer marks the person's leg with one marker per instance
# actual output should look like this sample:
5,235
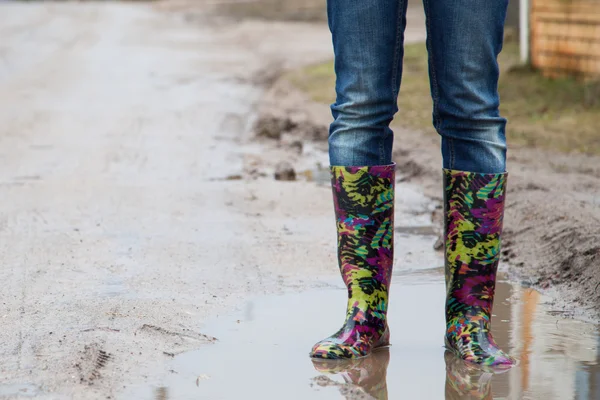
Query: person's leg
368,43
464,40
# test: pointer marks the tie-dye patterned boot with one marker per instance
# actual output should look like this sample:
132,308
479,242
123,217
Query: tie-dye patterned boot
364,209
474,210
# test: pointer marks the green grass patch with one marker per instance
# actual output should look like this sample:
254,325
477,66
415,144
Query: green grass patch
556,114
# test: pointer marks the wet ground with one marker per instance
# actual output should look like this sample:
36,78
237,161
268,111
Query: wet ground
131,228
262,350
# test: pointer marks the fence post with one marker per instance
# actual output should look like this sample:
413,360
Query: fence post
524,30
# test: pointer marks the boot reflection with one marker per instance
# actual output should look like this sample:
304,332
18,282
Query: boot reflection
161,393
368,374
464,381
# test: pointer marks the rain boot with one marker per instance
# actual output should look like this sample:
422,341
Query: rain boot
474,210
364,209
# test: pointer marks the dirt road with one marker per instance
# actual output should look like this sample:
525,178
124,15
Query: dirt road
122,224
137,210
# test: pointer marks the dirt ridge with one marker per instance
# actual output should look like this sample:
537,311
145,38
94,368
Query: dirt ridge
552,222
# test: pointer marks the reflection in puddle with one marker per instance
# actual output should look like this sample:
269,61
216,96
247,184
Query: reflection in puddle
560,358
367,376
263,352
161,393
466,382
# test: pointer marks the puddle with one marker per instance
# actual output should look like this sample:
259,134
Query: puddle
19,390
263,352
113,287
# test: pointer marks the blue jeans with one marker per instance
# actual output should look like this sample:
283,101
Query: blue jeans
464,38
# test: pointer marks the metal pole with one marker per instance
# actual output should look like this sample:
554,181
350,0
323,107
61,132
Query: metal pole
524,30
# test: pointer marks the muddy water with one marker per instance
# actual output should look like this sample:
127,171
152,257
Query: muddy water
262,352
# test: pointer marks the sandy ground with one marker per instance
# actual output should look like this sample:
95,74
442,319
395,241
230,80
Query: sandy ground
137,204
122,225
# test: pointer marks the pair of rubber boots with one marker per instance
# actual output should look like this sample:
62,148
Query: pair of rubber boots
473,213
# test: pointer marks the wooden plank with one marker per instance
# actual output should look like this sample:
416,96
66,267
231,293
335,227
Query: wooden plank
563,3
568,47
568,30
590,18
560,63
534,27
565,37
561,6
583,10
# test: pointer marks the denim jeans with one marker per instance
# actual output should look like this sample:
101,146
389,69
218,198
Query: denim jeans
464,38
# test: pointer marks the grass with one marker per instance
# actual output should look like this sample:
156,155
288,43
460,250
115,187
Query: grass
554,114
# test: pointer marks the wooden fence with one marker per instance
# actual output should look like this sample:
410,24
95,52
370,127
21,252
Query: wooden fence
565,37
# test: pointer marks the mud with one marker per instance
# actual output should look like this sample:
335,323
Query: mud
125,227
264,363
119,230
552,226
553,219
263,346
93,361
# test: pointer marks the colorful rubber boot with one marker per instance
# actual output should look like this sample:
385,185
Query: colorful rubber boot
368,375
364,208
474,210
